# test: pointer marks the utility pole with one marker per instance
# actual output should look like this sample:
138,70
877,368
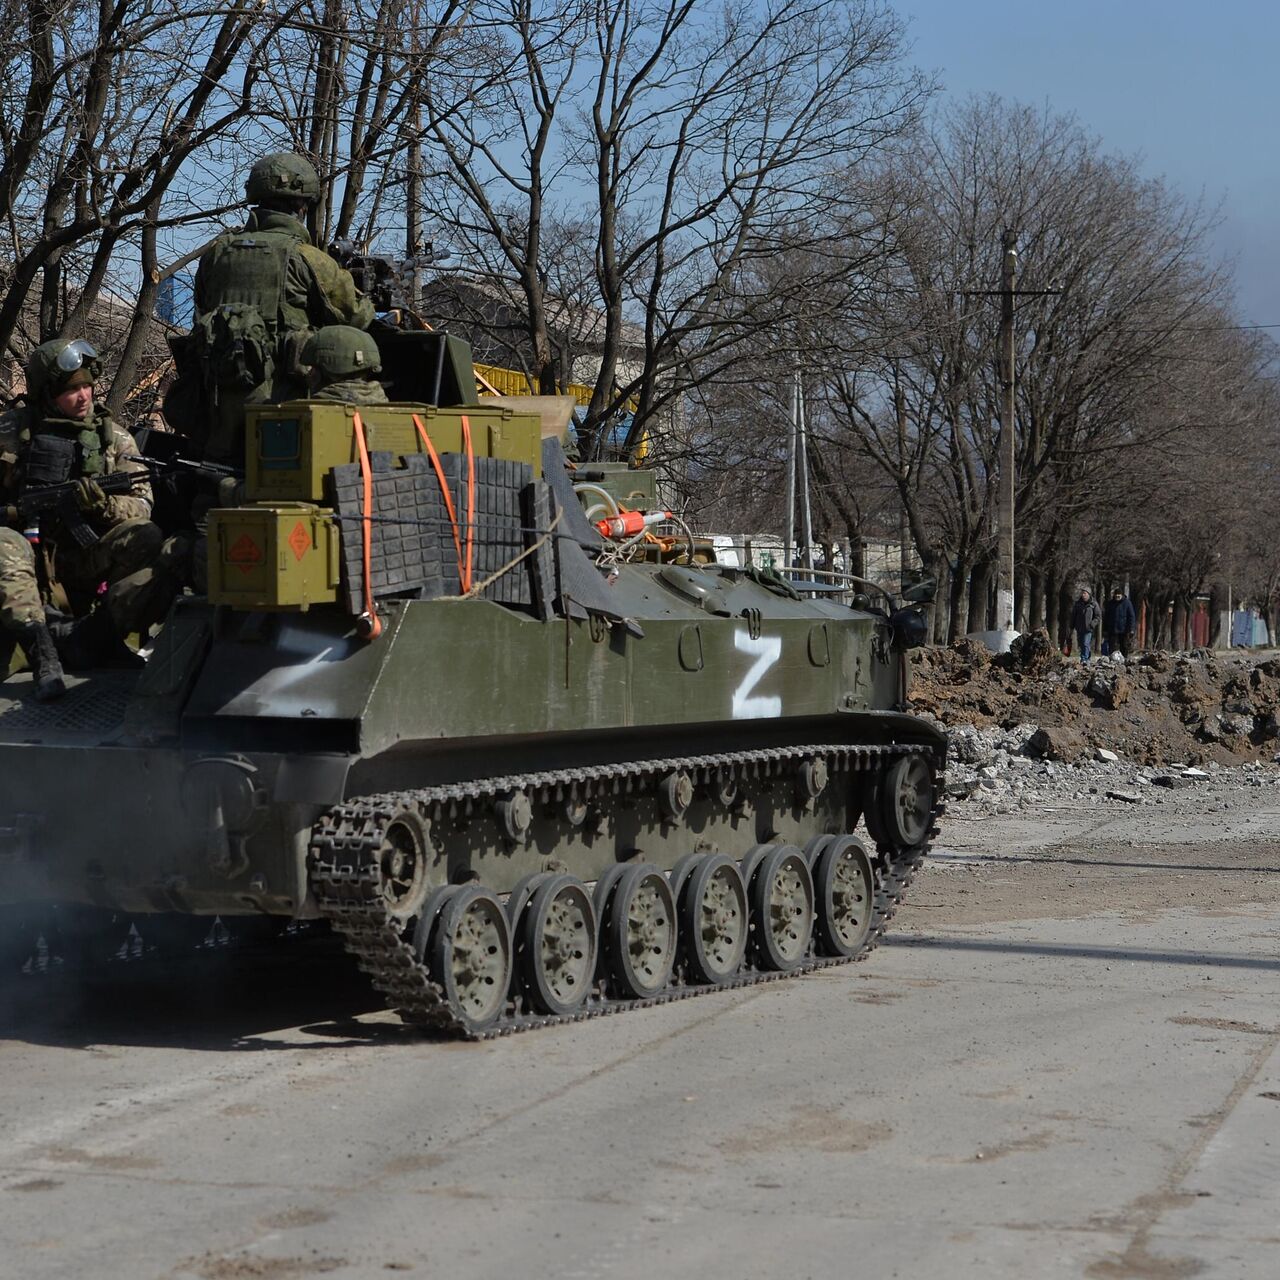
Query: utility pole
1008,434
1008,294
792,441
413,178
802,472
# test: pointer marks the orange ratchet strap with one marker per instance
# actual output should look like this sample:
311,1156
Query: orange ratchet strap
444,487
464,561
371,624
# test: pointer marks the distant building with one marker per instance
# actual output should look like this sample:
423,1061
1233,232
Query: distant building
883,560
175,304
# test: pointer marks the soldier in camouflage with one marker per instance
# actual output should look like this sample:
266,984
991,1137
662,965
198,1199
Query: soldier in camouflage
344,364
259,293
126,580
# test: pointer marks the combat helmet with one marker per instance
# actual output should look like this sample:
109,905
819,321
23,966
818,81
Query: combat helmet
53,366
282,176
340,351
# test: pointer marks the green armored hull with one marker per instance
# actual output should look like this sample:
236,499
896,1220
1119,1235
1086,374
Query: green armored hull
511,812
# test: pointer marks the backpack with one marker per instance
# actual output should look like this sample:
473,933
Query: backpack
236,341
234,346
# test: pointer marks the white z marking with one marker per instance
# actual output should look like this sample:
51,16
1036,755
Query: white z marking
766,650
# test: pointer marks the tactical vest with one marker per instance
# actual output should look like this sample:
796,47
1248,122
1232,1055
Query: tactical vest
241,339
58,450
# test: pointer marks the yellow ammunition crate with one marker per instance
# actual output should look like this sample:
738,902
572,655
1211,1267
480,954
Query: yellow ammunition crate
282,556
292,447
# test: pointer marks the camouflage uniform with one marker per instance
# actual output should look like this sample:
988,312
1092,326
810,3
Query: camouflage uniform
130,566
352,391
276,286
344,362
126,556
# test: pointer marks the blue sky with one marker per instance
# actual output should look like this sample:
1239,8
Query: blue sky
1194,88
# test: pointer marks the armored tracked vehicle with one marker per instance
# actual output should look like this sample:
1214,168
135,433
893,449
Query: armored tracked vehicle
528,773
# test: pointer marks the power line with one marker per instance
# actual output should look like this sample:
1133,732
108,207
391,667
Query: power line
1208,328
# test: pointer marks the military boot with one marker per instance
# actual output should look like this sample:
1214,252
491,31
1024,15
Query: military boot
42,658
93,641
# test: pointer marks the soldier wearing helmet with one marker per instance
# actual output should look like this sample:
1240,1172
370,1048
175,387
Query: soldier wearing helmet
344,364
127,576
259,292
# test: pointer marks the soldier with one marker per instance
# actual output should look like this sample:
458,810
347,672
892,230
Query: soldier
127,578
344,363
259,292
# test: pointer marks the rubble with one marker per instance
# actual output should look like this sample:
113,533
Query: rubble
1000,770
1059,743
1154,709
1031,730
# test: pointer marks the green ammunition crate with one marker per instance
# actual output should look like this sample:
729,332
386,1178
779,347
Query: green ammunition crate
282,556
636,489
292,447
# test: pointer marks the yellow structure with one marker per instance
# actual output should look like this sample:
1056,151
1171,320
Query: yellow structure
511,382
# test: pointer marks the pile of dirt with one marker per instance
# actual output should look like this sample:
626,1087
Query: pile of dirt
1155,708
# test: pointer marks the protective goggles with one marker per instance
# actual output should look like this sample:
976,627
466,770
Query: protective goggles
75,355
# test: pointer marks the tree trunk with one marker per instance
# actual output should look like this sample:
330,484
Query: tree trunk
940,615
1022,615
143,317
959,601
980,595
1035,599
1217,605
1064,612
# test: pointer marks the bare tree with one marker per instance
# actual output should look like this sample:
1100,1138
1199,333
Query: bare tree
117,100
1113,271
697,143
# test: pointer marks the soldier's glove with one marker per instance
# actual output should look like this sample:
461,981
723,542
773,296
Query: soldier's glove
90,498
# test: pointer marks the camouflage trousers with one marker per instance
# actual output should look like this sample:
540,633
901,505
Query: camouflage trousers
142,570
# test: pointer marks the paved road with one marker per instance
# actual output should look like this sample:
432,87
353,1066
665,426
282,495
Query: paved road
994,1094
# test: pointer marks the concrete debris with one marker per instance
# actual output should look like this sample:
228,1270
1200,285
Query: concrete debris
1031,770
1058,743
1019,781
1153,709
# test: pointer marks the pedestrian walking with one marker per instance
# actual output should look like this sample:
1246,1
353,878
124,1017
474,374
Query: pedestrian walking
1119,623
1084,620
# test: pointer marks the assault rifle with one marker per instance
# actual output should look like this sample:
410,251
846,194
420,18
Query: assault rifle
60,499
214,471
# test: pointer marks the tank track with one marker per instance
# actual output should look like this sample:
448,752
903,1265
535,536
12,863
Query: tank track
346,881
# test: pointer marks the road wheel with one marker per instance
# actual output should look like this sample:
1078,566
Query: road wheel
556,945
714,919
844,891
471,956
640,932
782,909
906,801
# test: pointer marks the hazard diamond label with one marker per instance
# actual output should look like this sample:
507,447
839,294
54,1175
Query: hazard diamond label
300,540
245,554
